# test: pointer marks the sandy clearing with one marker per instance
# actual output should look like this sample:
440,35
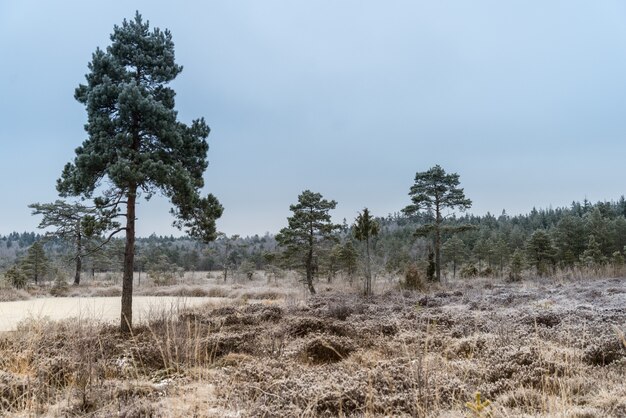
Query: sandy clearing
99,308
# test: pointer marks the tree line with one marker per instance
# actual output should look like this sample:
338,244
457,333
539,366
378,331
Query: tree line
585,236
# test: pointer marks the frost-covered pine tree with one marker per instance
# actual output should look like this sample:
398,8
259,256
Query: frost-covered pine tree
135,143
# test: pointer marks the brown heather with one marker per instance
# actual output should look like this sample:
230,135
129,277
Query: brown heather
533,348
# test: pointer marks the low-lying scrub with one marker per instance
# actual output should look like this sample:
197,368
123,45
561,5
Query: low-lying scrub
10,294
530,349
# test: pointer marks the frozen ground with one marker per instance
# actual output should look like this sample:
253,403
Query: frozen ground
541,348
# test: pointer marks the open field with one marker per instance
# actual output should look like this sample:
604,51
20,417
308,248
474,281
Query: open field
537,348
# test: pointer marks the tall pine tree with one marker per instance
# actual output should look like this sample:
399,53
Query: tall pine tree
365,228
435,191
135,143
307,229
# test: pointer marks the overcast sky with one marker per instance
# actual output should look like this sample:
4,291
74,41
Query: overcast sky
525,100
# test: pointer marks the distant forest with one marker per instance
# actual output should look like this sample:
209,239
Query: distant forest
544,242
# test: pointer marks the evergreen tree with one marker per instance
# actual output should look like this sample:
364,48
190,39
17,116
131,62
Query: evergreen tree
517,265
16,276
332,261
73,222
481,251
540,251
501,252
365,228
135,143
617,230
598,226
454,251
247,268
592,256
36,264
436,191
569,237
230,246
347,258
308,228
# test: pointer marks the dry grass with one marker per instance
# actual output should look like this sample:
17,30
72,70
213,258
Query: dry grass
10,294
536,348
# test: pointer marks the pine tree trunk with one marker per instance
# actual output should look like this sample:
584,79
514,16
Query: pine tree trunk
79,260
36,271
438,254
437,242
309,271
129,258
79,266
368,284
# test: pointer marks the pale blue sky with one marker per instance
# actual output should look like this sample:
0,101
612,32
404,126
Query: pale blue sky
526,100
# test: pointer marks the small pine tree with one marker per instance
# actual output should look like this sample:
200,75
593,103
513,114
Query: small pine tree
247,268
365,228
540,251
455,251
16,277
348,258
36,263
308,228
517,266
592,256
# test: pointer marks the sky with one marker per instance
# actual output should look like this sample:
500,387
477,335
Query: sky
525,100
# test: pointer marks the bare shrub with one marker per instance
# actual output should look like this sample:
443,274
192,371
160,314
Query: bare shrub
9,294
109,291
340,311
604,352
14,391
176,291
528,400
217,292
327,349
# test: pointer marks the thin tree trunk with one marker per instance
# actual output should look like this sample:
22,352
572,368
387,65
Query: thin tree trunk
79,266
36,270
309,271
368,284
129,258
437,243
437,254
309,262
79,260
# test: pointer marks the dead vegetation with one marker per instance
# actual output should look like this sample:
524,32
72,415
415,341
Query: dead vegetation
532,349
